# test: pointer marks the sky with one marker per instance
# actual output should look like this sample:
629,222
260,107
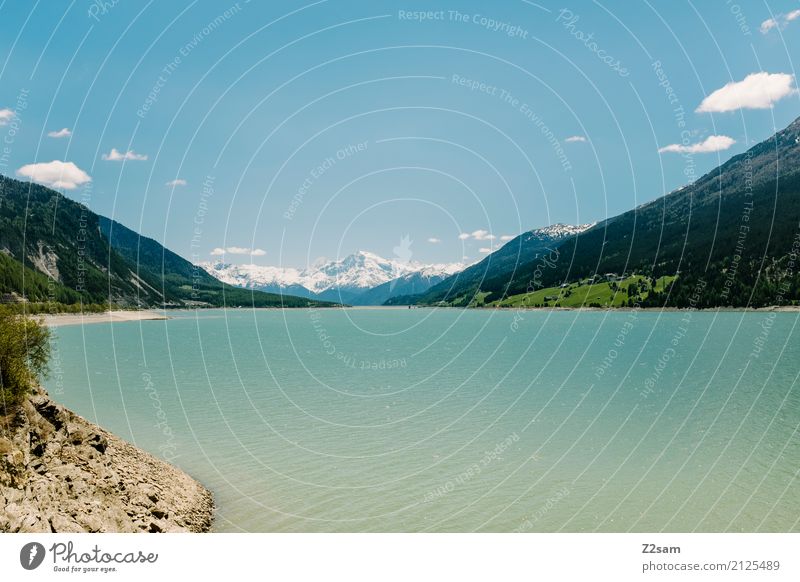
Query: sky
280,133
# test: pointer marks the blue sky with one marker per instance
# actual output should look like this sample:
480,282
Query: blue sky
311,129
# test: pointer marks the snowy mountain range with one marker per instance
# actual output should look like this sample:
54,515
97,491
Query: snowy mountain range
362,278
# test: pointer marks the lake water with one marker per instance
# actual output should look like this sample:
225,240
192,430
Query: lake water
450,420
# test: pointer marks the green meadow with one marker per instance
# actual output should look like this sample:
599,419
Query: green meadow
587,293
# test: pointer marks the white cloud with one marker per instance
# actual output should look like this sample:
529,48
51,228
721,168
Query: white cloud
55,174
575,138
6,115
768,25
755,91
176,182
480,234
780,22
63,132
507,237
484,250
238,251
116,156
483,235
713,143
434,240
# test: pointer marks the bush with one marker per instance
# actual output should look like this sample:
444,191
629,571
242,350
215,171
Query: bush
24,352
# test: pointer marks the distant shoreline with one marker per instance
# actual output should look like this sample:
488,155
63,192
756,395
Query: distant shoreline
770,308
123,316
116,316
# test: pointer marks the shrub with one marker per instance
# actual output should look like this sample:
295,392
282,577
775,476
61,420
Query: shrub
24,352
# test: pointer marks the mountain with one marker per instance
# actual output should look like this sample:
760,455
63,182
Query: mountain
412,283
731,237
362,278
55,249
497,268
349,277
249,276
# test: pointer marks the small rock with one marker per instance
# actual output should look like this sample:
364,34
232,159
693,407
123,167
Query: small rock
159,513
98,442
92,523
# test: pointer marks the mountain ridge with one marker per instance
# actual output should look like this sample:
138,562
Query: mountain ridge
56,250
462,288
345,279
693,232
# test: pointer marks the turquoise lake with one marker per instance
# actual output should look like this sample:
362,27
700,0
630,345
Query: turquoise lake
458,420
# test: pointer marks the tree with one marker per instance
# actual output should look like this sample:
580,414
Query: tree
24,353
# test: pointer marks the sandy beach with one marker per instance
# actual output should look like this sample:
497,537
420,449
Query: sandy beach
61,319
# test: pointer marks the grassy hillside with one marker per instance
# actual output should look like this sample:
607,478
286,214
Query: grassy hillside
624,293
733,230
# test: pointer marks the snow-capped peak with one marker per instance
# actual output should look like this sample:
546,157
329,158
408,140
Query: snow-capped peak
559,230
360,271
252,276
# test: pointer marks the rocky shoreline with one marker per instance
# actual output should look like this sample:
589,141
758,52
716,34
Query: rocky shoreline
62,473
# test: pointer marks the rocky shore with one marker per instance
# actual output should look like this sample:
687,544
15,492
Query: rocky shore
61,473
